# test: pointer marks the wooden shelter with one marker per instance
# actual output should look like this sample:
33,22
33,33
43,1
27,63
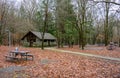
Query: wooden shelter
33,36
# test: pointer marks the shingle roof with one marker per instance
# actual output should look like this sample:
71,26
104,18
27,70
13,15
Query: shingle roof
46,36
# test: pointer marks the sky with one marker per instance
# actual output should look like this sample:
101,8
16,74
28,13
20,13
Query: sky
17,2
114,7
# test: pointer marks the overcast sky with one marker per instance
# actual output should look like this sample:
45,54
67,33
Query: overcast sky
114,7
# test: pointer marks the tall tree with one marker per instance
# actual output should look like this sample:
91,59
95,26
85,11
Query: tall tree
60,14
65,21
107,7
81,20
3,15
45,2
70,22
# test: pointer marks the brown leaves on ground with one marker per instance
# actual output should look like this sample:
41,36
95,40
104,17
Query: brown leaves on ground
96,50
49,64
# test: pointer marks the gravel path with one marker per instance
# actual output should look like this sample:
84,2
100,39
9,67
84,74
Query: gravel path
12,72
11,69
85,54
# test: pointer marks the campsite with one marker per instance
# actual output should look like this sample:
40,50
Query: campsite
59,38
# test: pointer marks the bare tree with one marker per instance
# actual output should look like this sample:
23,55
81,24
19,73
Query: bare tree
81,20
3,16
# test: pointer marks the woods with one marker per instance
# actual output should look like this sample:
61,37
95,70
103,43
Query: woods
77,22
60,38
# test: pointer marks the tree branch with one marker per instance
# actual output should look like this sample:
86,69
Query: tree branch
105,2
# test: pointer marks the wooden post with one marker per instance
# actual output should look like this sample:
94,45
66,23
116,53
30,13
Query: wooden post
49,43
31,43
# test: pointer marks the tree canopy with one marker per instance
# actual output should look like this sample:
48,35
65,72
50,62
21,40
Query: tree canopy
71,21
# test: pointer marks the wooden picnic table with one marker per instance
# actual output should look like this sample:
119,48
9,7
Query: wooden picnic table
13,54
19,53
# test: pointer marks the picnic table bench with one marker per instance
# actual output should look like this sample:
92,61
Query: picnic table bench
13,55
28,55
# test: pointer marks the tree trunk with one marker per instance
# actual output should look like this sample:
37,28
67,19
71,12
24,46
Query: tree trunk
79,39
58,39
45,24
119,43
106,24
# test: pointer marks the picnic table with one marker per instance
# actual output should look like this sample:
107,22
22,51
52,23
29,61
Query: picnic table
18,55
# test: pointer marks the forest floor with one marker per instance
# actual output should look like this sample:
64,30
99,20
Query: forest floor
54,64
97,50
